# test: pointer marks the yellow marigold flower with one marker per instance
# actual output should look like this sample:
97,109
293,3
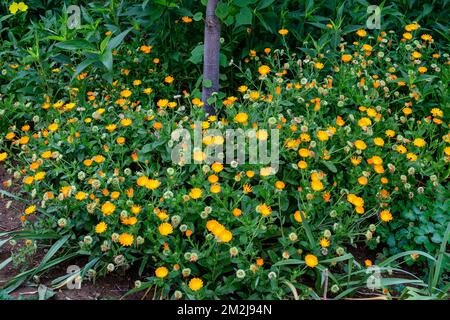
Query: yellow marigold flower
165,229
412,27
355,161
136,209
101,227
364,122
302,164
152,184
311,260
142,181
30,210
111,127
53,127
28,180
199,156
80,196
24,140
262,134
422,70
266,171
243,89
386,216
195,193
241,117
319,65
148,90
280,185
186,19
389,133
125,93
322,135
298,216
263,70
411,156
407,36
361,145
130,221
324,243
264,209
254,95
283,32
146,49
213,178
416,55
447,151
196,284
378,141
362,181
225,236
169,79
215,188
217,167
419,142
98,158
197,102
436,112
316,185
346,58
10,135
126,239
427,37
14,7
162,103
161,272
247,188
361,33
108,208
401,149
237,212
367,47
39,176
3,156
303,152
126,122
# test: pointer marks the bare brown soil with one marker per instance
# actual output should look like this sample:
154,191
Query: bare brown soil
113,286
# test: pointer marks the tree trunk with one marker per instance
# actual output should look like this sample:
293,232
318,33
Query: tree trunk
211,54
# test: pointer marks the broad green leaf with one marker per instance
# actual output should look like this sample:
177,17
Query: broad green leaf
117,40
244,17
75,45
244,3
107,59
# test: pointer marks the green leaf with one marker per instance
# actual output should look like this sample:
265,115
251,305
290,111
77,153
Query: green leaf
104,43
117,40
330,166
207,83
5,263
107,59
244,17
198,16
222,10
244,3
264,4
74,45
197,54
